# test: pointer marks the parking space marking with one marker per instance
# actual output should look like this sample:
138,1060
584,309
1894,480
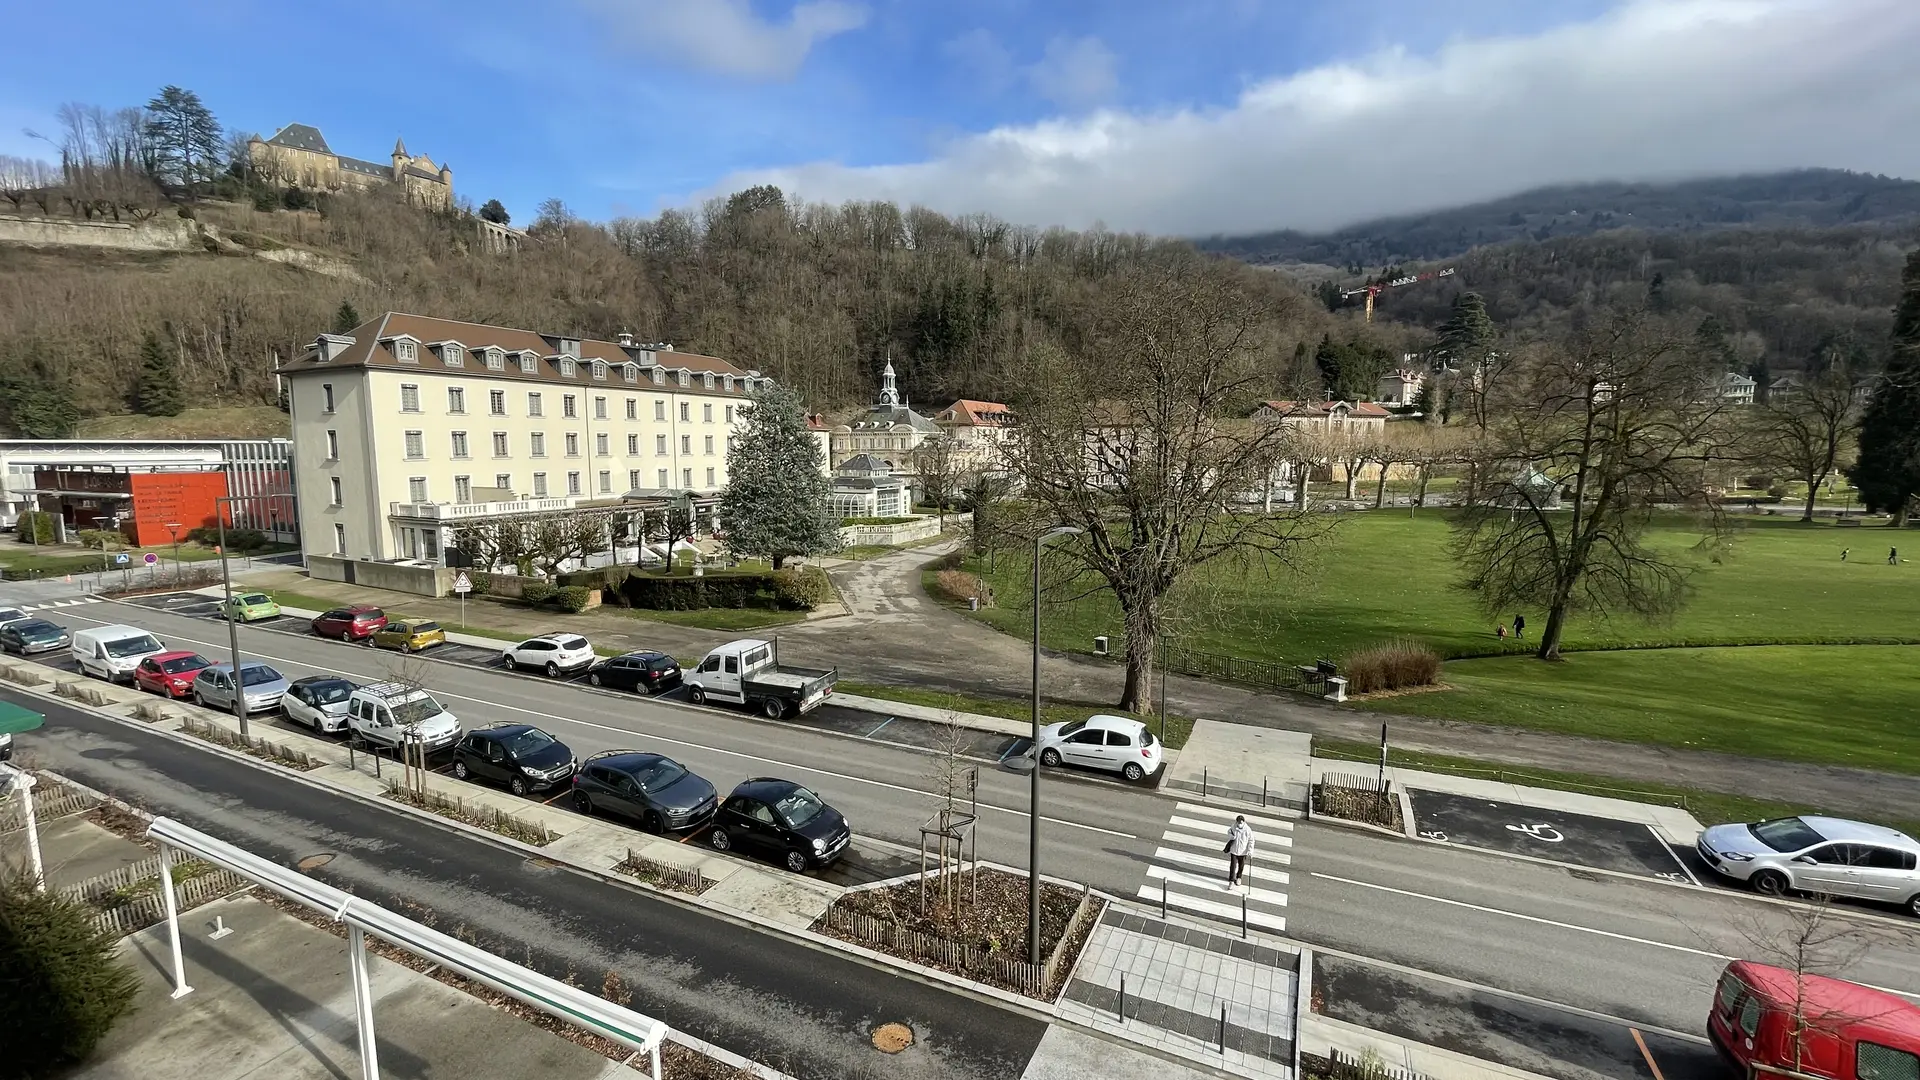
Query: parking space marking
1676,855
1645,1053
883,724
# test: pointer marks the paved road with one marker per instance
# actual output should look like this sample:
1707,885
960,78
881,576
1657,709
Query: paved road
804,1011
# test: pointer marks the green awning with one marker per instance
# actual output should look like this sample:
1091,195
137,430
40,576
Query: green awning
14,718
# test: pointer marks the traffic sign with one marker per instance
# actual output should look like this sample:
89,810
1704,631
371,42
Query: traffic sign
462,584
122,559
150,558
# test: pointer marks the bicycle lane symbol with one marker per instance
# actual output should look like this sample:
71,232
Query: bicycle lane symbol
1538,832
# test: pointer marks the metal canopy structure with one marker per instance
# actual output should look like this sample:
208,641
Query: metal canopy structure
14,719
551,996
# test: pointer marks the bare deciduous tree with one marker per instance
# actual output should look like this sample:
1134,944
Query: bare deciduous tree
22,176
943,473
1809,940
1807,430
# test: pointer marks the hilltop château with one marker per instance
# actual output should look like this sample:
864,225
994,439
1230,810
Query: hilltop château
298,154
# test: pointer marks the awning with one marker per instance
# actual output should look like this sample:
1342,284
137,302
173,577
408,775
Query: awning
13,718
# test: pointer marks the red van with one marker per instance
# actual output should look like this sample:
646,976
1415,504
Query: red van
1845,1031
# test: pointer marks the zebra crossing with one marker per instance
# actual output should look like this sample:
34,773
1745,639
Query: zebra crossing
49,605
1189,868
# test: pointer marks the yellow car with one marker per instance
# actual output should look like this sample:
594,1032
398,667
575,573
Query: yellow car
408,635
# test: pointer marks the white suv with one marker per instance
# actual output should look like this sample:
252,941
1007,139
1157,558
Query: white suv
392,714
555,654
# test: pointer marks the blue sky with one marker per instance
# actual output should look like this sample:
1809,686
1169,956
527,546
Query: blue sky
1139,114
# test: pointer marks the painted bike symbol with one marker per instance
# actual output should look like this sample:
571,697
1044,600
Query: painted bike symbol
1538,832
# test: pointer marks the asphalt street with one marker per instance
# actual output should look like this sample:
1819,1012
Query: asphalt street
804,1011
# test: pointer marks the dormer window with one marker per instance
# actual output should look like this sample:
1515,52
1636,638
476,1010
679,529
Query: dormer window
659,376
686,377
630,372
727,382
496,360
403,351
707,380
529,363
566,366
599,371
453,355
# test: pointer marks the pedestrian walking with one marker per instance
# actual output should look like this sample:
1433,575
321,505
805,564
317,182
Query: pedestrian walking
1893,556
1500,631
1843,554
1239,847
1519,625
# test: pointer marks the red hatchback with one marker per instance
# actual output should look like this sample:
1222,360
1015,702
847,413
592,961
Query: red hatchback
356,623
170,673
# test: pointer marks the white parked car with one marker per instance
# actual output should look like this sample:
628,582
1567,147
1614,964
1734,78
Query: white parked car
11,614
1113,743
390,714
318,701
555,654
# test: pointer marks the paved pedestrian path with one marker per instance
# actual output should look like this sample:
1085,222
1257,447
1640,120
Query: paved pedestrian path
1189,868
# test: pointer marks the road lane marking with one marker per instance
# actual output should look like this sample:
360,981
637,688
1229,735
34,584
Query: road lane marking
1645,1053
664,738
1219,884
1254,819
876,731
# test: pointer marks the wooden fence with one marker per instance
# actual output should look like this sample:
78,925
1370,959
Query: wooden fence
132,898
1357,797
1339,1066
50,802
1034,980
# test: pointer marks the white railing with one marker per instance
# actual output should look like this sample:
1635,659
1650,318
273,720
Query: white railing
458,511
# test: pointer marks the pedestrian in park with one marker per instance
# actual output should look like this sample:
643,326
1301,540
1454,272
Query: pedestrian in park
1843,554
1239,847
1893,556
1500,631
1519,625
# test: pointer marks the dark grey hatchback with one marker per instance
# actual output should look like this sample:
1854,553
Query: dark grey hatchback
521,756
652,790
782,820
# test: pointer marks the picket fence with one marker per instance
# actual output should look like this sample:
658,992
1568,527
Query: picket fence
132,898
49,803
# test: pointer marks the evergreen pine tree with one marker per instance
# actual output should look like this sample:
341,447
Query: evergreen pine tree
1330,359
184,139
775,503
345,318
491,210
1468,331
158,392
66,983
1888,469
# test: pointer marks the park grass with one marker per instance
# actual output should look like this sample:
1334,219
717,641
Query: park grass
1847,705
713,618
67,559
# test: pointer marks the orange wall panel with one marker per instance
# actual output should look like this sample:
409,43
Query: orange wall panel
187,498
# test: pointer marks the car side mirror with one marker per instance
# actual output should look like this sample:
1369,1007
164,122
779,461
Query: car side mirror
1806,860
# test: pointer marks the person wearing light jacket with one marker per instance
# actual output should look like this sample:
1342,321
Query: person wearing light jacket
1239,848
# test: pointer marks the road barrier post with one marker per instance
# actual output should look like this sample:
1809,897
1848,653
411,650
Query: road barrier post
1123,999
1203,781
1243,917
1223,1028
1263,793
1163,898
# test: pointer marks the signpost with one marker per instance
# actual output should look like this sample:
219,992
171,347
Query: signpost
150,560
462,585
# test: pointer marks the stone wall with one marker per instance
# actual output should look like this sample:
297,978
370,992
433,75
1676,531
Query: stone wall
889,535
395,577
166,232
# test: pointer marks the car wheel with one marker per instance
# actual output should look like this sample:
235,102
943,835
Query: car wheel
652,823
1050,757
594,678
553,670
1913,905
1769,883
697,695
518,785
720,840
460,770
199,699
797,861
582,803
507,659
773,708
1133,772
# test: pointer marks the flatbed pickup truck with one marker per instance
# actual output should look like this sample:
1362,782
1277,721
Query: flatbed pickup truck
747,672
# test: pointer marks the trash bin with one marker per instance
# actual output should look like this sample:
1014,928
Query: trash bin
973,603
1100,645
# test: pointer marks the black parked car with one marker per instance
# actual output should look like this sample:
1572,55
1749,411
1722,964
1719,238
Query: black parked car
658,792
783,820
647,672
23,636
521,756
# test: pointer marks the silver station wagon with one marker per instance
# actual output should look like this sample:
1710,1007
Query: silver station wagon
1822,855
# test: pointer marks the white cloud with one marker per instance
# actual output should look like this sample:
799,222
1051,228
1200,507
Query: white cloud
1655,89
1075,72
725,35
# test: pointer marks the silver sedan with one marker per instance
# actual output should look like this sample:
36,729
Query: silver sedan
1822,855
263,686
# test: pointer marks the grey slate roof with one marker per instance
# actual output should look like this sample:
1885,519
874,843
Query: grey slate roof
881,416
301,137
865,463
369,168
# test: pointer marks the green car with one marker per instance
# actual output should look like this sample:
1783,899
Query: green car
248,607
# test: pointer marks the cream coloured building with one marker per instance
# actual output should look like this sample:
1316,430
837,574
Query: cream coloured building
411,426
299,155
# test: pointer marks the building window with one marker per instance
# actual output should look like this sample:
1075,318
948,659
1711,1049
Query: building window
416,445
686,412
600,444
496,360
686,478
726,383
606,482
333,445
538,444
403,352
633,408
633,446
709,477
599,408
630,373
535,407
707,380
430,544
417,489
569,406
573,483
566,367
659,409
660,444
686,444
459,444
529,363
599,371
339,539
729,414
662,475
709,448
326,397
633,479
409,398
659,377
539,485
706,413
454,355
573,444
685,377
503,481
497,402
333,488
499,444
463,489
456,399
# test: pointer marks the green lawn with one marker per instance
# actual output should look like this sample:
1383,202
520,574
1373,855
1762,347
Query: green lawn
68,559
714,618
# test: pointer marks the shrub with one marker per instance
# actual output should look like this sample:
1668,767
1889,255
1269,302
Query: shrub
36,527
787,590
600,577
572,598
204,534
1393,666
803,589
537,592
98,539
1778,490
246,540
66,985
479,584
960,586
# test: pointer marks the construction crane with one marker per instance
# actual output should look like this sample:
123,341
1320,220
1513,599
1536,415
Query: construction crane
1372,291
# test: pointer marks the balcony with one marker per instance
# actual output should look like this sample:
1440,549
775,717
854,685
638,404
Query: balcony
431,511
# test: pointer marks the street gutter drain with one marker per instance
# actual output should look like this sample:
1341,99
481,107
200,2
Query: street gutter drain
892,1038
314,862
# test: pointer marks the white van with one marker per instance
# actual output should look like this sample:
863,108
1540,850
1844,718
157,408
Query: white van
385,714
112,652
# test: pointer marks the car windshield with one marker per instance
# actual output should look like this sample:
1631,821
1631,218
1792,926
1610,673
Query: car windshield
259,674
797,807
36,628
1073,727
184,664
425,627
1785,834
133,646
256,599
658,776
412,712
530,741
329,693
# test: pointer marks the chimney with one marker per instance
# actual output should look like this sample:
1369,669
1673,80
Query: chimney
626,340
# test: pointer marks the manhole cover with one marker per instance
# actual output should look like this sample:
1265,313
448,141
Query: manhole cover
314,862
892,1038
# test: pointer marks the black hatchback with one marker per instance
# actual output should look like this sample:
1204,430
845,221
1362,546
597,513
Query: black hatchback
647,672
653,790
521,756
782,820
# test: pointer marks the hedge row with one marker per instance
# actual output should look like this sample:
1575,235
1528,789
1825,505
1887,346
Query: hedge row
785,590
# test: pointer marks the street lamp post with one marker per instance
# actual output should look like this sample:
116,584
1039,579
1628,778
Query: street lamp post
226,587
173,530
1033,817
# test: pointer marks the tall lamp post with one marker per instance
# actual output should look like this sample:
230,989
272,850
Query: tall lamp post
1033,817
173,530
220,506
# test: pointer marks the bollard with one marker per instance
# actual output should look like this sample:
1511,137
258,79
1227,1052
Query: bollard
376,762
1263,793
1243,917
1223,1028
353,764
1203,781
220,928
1163,898
1123,999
